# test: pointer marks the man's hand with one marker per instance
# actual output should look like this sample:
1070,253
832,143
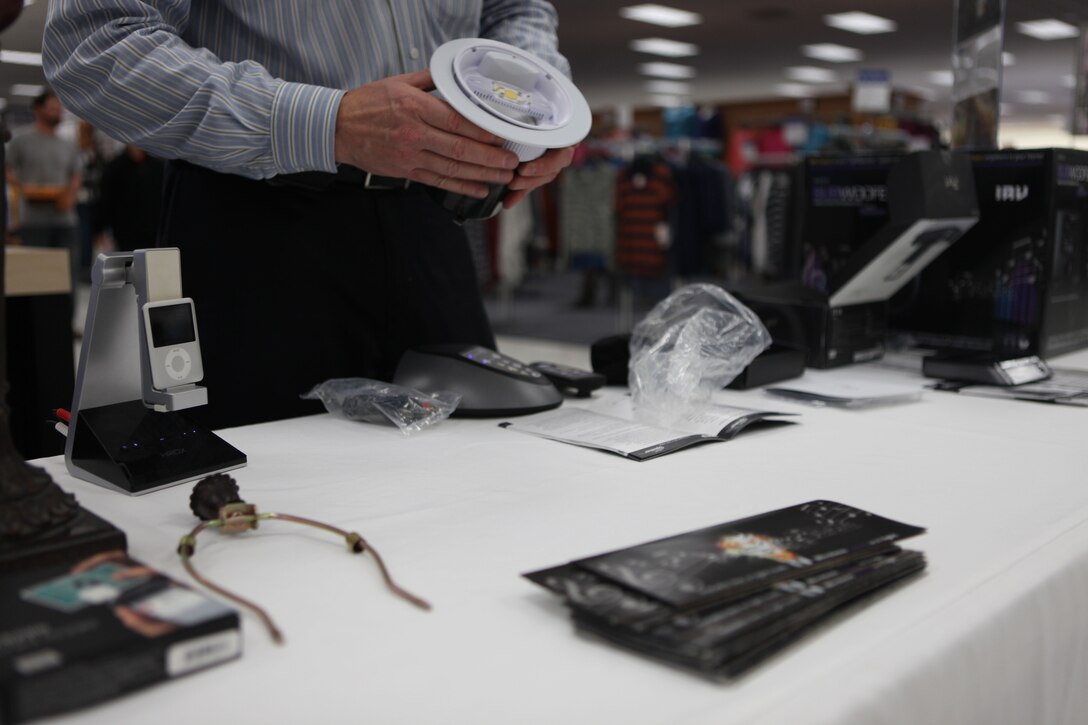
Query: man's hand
67,201
393,127
537,173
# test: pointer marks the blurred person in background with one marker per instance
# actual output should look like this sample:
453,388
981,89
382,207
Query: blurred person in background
43,171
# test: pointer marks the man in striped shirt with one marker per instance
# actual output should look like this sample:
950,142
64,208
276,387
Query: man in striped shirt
299,277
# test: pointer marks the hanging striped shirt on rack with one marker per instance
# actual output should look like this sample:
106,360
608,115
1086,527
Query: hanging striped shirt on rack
252,87
645,193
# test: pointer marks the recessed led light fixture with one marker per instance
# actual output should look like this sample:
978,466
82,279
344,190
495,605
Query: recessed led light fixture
26,89
665,47
862,23
661,15
1048,29
794,90
832,53
20,57
811,74
676,88
940,77
1033,97
512,94
667,70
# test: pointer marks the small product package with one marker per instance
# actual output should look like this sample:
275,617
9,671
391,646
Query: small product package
75,635
694,342
373,401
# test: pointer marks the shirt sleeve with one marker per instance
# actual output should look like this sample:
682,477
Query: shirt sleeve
122,65
527,24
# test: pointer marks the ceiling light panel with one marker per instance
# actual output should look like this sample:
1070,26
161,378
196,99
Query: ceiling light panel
678,88
661,15
664,47
20,57
794,90
811,74
832,53
926,94
1048,29
26,89
1033,98
862,23
668,101
940,77
667,70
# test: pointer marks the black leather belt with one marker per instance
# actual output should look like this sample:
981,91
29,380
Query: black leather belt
345,175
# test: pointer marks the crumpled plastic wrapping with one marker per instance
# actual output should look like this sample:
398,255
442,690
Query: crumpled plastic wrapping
373,401
691,344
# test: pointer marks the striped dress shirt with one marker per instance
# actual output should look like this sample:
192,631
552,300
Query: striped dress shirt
252,87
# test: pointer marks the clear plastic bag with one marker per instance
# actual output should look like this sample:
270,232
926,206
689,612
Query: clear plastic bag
691,344
373,401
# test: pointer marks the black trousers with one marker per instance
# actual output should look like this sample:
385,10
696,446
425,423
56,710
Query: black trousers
294,286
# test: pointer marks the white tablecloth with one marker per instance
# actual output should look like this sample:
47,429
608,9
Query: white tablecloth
994,632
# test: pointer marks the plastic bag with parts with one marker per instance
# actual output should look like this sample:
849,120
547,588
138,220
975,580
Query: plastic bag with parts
373,401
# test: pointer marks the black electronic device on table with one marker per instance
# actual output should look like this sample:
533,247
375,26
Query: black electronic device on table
566,377
490,384
986,370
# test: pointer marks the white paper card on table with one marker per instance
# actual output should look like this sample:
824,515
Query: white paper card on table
848,393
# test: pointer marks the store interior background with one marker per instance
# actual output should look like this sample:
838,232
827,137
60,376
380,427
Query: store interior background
749,66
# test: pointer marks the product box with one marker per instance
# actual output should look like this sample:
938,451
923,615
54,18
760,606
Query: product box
870,225
77,635
801,317
773,365
845,202
1017,283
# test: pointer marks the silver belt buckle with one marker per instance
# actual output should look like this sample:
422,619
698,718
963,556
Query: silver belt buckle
373,181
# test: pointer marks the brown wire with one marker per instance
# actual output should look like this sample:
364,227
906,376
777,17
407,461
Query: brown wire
356,544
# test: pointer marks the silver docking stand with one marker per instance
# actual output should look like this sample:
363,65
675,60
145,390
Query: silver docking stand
125,433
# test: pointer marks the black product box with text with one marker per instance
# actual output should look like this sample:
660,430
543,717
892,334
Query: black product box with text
870,225
1017,283
74,636
845,204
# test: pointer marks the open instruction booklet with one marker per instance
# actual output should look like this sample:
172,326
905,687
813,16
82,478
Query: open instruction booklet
610,425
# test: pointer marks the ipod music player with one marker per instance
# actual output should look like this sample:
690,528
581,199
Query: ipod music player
173,346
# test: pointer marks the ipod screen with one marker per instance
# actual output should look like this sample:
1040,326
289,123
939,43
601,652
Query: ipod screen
171,324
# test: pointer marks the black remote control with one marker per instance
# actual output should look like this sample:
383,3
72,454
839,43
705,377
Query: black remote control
565,377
